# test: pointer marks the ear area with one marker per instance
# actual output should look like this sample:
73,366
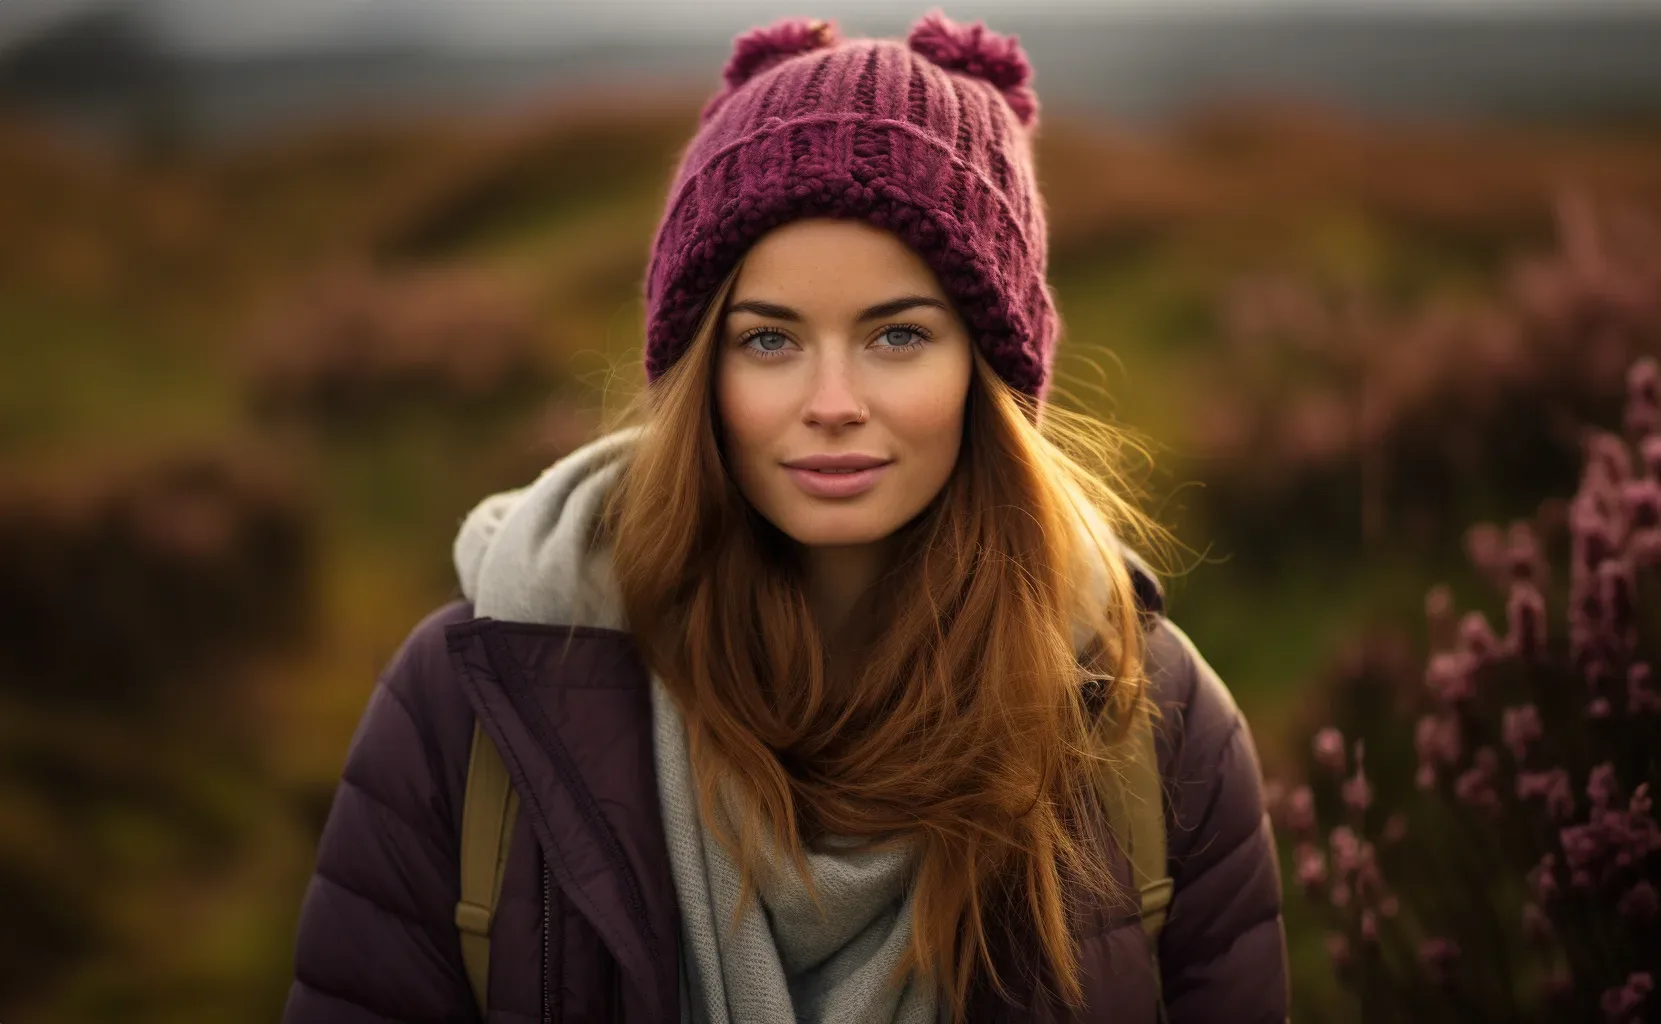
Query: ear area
758,49
978,51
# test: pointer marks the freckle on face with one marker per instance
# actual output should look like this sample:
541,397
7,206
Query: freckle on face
808,399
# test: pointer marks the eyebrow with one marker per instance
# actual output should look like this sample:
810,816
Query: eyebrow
774,311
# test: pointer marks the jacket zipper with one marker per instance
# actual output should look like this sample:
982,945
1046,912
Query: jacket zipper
504,664
547,1015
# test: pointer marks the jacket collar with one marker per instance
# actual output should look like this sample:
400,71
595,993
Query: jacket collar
569,708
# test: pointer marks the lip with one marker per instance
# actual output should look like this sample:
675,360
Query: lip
837,485
846,460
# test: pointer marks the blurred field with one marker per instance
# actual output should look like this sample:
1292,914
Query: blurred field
248,395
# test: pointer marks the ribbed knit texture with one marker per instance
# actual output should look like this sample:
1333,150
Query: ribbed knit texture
928,138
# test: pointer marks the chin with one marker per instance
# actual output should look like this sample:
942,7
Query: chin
835,527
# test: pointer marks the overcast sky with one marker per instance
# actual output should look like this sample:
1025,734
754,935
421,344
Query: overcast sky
240,26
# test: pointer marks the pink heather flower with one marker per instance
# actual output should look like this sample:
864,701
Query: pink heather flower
1583,644
1641,500
1641,416
1300,810
1346,849
1607,457
1485,545
1542,878
1639,903
1644,547
1329,749
1356,791
1522,557
1340,895
1552,786
1641,699
1591,537
1598,708
1640,419
1449,676
1601,786
1367,879
1640,805
1436,738
1425,777
1582,845
1616,592
1624,1004
1310,866
1525,616
1477,638
1649,451
1439,957
1643,382
1475,788
1520,727
1369,926
1389,906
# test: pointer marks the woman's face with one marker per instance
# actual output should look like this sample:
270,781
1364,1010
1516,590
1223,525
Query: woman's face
839,341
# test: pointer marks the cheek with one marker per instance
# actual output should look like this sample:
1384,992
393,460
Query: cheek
748,417
930,420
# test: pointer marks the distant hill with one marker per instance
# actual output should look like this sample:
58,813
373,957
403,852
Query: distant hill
106,69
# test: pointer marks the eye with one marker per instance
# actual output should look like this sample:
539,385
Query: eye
917,334
769,343
762,350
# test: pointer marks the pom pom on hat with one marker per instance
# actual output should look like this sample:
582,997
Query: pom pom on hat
976,50
760,48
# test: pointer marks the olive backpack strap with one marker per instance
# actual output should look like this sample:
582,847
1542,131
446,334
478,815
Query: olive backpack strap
1139,823
487,815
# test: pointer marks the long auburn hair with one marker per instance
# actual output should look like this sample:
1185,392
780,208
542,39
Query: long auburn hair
951,721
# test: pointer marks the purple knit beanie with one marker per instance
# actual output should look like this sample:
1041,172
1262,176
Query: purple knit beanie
929,139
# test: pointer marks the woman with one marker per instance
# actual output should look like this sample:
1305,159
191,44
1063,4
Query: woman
813,681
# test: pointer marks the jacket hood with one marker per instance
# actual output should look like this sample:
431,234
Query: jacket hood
530,554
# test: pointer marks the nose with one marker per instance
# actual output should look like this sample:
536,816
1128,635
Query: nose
833,399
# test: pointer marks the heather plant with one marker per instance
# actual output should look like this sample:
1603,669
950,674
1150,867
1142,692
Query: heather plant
132,600
1477,830
1328,409
120,583
356,343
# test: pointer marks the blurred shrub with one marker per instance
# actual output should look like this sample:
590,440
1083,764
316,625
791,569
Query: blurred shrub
356,344
114,583
130,600
562,157
1499,858
1322,412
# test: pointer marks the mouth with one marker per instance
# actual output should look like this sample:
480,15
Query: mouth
837,482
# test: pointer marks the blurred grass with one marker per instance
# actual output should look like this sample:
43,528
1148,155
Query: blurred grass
127,294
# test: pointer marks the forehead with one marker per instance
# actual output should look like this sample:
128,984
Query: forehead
831,263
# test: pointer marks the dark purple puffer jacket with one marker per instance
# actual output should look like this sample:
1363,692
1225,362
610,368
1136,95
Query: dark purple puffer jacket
588,925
